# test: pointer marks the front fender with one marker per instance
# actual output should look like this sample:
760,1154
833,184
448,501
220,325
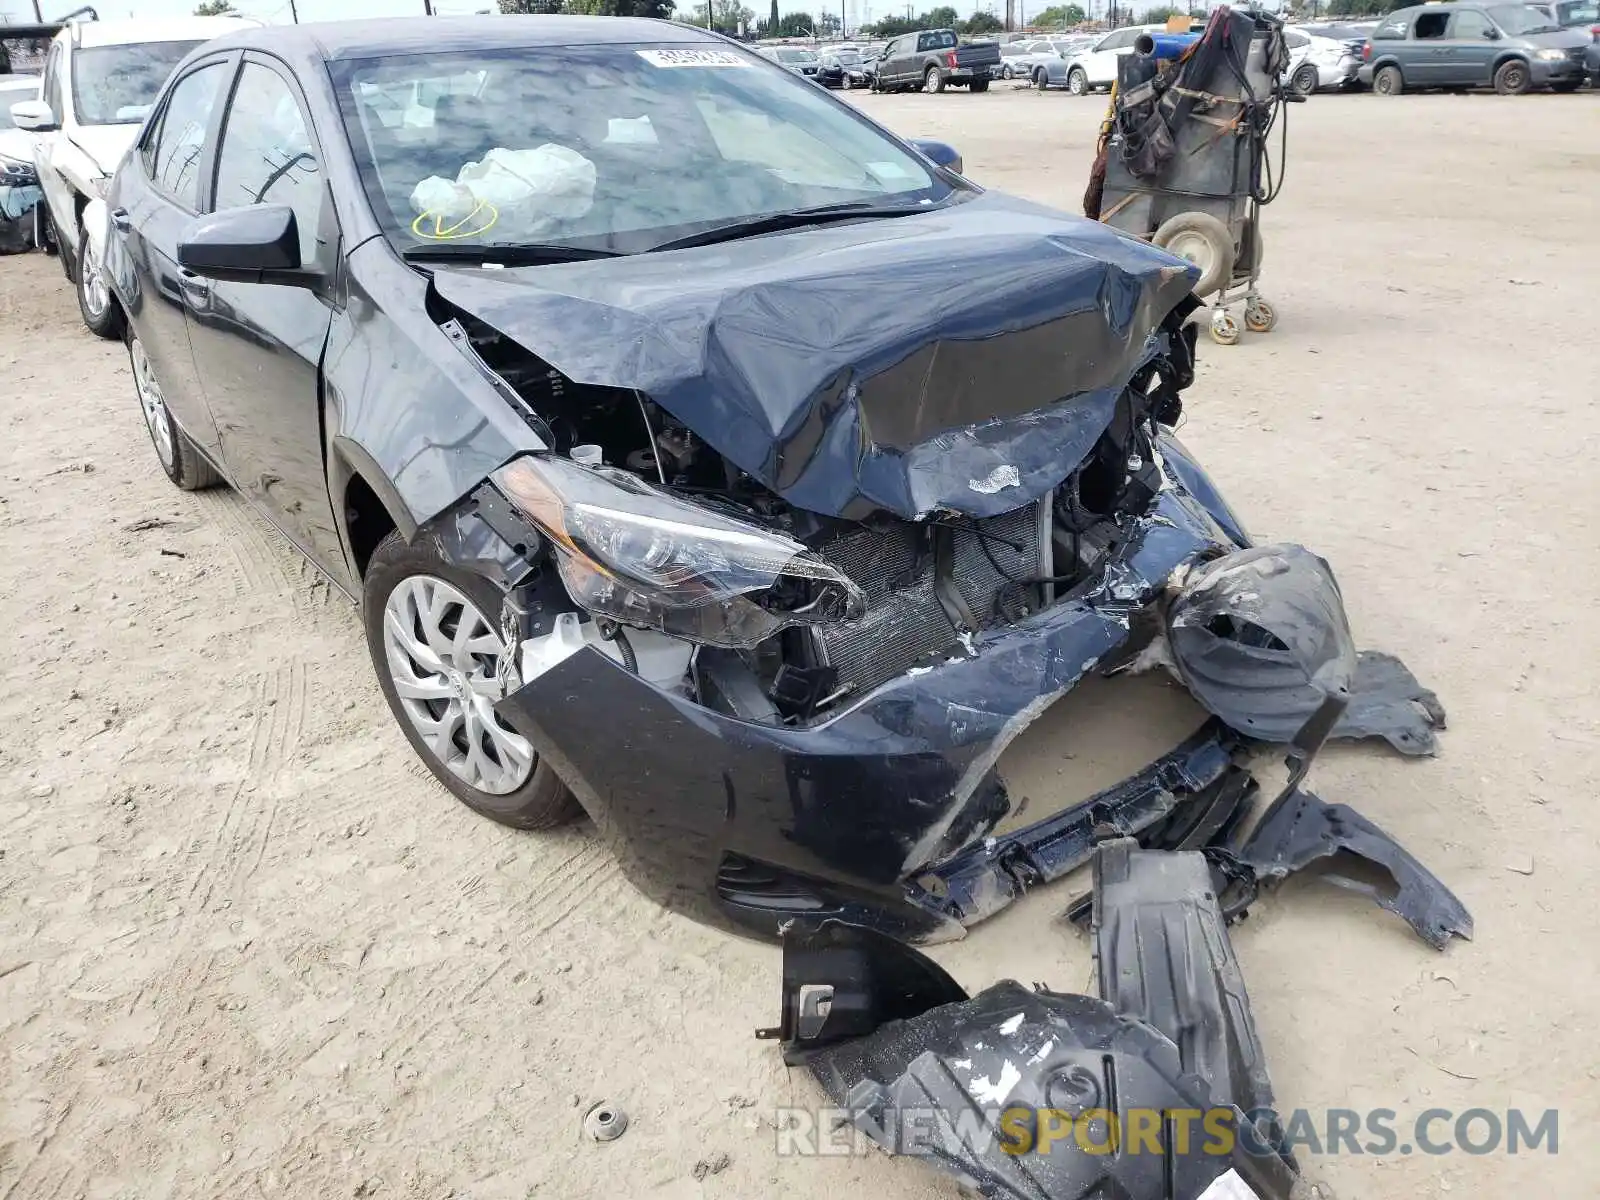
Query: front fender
96,221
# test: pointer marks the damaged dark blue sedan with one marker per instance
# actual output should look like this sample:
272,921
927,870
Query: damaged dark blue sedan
702,454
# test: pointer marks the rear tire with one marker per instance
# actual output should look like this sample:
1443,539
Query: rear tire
933,81
1203,240
980,85
540,800
1388,82
1567,85
1512,79
1305,80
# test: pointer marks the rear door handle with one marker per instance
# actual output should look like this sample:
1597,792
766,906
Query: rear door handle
120,218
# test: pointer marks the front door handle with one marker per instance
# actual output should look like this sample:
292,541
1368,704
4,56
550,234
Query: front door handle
120,218
198,285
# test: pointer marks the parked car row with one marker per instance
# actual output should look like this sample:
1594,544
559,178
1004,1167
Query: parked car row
1456,44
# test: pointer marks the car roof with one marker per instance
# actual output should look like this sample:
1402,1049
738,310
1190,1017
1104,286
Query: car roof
164,29
334,40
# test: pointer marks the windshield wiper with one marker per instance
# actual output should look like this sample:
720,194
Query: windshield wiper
796,219
506,255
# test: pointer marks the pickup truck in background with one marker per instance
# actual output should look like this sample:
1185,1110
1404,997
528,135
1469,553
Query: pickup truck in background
934,59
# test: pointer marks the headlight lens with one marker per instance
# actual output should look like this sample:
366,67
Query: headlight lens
1551,55
642,557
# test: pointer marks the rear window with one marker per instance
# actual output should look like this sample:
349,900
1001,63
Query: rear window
1578,12
1394,27
943,40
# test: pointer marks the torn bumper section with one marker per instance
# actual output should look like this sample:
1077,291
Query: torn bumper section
881,814
748,824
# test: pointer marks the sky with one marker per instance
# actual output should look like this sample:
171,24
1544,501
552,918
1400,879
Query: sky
858,11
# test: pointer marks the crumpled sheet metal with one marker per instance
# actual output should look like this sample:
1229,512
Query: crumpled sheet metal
962,360
1268,686
1301,829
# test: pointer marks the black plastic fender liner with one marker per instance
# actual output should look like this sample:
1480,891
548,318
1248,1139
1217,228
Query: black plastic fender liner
1162,954
998,1089
1300,831
1262,640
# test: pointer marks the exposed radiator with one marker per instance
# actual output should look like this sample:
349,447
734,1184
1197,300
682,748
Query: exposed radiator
904,621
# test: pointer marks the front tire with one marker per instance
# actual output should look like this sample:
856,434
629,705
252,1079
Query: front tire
1077,82
95,301
1304,81
433,632
1512,79
932,81
1388,82
1005,72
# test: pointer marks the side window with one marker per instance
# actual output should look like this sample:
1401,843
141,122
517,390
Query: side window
267,156
1296,41
925,42
1391,29
1431,24
1469,23
174,166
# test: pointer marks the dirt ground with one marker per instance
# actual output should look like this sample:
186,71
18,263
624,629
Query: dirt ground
248,948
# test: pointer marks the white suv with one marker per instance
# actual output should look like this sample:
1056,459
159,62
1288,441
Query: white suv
100,80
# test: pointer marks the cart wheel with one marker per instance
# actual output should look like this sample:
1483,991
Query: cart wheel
1224,329
1260,317
1204,241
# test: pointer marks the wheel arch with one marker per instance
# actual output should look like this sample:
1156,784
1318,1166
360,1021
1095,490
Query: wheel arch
1506,56
367,505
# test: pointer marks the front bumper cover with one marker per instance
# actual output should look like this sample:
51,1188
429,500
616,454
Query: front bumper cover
881,815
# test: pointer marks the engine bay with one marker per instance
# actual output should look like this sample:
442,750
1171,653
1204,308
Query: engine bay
931,585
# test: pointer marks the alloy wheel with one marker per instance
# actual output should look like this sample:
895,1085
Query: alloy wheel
92,282
153,404
444,660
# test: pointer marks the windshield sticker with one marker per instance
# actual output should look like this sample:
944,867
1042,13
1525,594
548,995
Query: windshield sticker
436,227
693,58
888,171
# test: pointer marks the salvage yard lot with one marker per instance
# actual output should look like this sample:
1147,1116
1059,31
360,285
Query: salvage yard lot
249,948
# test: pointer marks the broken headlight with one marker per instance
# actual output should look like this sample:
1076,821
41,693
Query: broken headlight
641,557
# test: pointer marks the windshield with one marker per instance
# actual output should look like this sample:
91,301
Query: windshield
611,148
1519,19
848,58
116,85
1578,12
796,56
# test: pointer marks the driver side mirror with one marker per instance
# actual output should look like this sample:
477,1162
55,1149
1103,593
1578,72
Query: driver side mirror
940,152
1492,34
34,116
256,244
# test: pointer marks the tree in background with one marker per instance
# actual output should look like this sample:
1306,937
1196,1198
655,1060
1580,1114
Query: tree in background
1158,16
795,25
1060,16
980,23
829,24
728,17
214,8
1358,8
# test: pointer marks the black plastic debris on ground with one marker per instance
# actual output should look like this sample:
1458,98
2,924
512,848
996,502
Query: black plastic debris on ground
1016,1092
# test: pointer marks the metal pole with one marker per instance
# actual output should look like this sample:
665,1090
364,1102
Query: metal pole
427,8
37,15
294,12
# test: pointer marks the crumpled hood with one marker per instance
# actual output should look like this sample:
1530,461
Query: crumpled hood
963,360
105,144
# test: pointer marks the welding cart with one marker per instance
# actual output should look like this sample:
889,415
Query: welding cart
1184,157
